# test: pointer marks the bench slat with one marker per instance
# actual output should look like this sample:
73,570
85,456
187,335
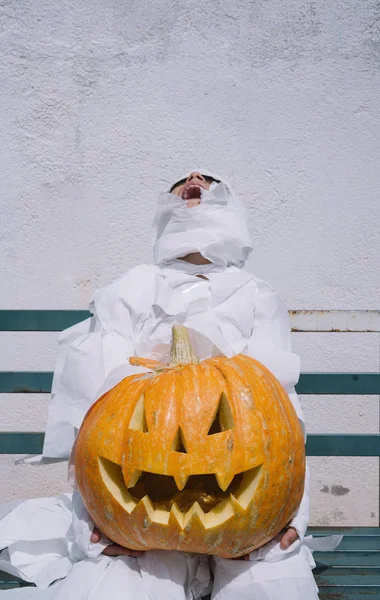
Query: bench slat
8,581
348,558
21,443
302,320
25,382
320,531
339,383
333,444
359,542
348,593
16,382
335,320
347,575
40,320
10,585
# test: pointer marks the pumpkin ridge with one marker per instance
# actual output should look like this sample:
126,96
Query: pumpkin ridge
278,391
289,414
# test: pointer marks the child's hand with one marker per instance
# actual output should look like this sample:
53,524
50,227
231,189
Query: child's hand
113,549
289,537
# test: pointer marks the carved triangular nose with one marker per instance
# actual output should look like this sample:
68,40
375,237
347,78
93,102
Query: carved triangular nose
179,444
223,418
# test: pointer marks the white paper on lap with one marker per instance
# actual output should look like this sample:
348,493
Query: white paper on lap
289,578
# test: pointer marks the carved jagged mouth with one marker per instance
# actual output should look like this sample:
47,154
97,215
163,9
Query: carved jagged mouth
201,495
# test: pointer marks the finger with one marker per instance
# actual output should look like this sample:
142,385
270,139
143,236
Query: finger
116,550
135,553
285,542
95,536
289,537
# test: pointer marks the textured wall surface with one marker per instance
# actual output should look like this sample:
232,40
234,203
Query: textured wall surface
103,103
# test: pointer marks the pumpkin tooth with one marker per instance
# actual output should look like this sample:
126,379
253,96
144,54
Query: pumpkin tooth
194,511
224,479
176,515
181,480
251,479
148,505
220,514
236,504
113,478
131,477
156,515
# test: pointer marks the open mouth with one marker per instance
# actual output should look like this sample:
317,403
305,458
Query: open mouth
201,495
192,192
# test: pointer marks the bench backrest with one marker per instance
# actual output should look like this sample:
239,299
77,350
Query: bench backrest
310,383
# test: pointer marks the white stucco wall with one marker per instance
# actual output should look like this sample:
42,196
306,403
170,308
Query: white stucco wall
104,102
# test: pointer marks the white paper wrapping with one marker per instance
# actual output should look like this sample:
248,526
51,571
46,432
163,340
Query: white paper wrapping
289,578
217,228
48,539
229,312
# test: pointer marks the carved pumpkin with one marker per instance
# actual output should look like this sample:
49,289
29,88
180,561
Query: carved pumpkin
196,456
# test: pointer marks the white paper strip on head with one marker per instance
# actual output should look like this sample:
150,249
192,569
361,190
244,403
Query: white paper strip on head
217,227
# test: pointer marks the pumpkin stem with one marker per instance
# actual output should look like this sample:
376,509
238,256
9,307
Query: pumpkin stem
181,352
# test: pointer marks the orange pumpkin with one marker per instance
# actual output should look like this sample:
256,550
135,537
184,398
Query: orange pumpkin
196,456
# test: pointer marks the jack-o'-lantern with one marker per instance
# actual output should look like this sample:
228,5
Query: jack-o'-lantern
195,456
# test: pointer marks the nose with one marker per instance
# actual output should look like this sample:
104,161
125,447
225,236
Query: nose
195,175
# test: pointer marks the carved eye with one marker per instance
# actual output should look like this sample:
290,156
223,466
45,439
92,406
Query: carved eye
223,418
138,419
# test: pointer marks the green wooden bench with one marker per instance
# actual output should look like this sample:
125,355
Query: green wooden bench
352,571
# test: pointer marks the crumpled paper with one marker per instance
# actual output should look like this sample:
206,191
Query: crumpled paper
217,228
47,540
